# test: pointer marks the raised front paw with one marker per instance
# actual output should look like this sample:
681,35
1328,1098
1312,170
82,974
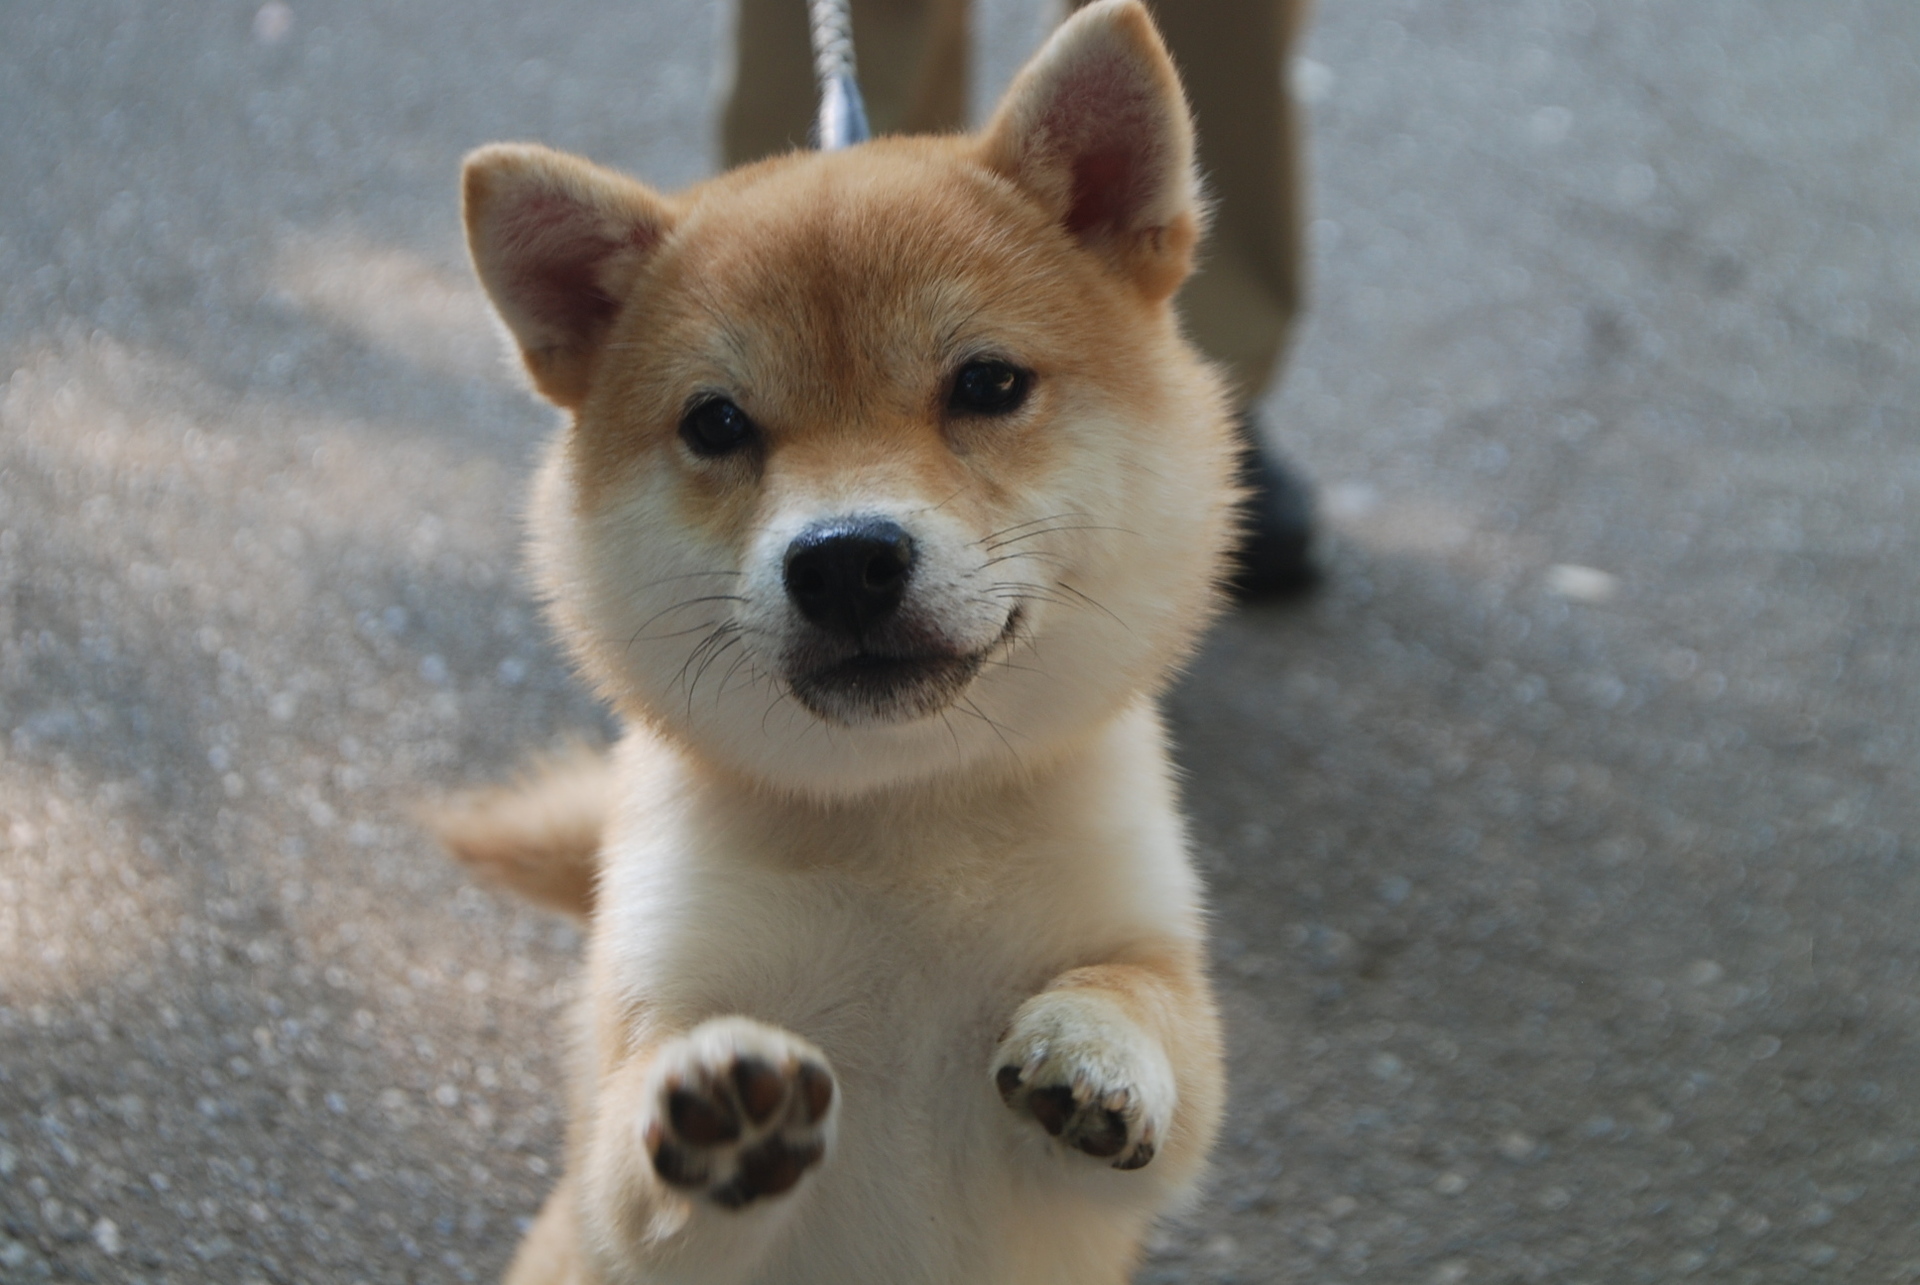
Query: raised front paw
740,1110
1077,1065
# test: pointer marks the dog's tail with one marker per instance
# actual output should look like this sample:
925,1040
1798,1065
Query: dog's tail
539,836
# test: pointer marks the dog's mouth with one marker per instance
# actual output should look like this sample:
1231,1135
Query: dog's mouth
875,685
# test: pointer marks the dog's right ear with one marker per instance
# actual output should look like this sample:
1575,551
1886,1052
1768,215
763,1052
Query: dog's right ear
557,242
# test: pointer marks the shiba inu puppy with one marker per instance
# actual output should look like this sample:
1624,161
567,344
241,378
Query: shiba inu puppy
888,500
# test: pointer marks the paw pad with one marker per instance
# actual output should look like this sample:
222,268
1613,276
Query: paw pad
1071,1113
737,1127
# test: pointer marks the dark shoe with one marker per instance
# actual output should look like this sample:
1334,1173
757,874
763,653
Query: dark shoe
1275,559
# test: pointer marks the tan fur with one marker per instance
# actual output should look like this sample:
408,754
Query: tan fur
539,836
912,933
550,1252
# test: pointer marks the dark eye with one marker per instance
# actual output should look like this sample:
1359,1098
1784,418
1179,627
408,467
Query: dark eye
715,427
989,388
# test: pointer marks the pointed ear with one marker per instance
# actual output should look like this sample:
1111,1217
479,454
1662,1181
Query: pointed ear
557,243
1096,129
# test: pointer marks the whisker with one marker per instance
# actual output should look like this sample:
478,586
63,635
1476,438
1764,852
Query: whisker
966,706
681,606
720,631
778,696
998,545
678,633
743,658
1023,592
690,575
1029,595
935,508
1096,605
712,655
1021,526
1039,554
1045,593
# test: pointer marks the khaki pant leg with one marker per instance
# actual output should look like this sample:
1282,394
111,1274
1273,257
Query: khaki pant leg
912,57
1233,58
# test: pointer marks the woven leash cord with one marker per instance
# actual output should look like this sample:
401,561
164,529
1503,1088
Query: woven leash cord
843,117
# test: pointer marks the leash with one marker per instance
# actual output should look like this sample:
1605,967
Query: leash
842,121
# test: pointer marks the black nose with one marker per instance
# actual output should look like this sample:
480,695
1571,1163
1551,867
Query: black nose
849,574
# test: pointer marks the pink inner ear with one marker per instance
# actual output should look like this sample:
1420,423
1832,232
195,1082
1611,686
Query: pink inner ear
557,248
1107,121
1105,192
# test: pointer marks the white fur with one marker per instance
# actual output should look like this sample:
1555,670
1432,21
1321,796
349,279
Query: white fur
902,962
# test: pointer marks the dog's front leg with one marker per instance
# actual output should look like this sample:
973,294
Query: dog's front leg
1119,1060
697,1145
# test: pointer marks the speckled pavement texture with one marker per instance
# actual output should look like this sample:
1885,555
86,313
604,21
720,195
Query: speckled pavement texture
1564,847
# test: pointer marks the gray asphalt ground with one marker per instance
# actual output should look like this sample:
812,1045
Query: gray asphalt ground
1564,847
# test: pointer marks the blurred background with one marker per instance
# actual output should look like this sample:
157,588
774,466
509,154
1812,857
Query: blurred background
1564,846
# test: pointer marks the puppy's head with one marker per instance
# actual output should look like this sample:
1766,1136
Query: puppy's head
887,461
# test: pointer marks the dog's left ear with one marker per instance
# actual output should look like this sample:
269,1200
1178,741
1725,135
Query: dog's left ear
558,243
1097,129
